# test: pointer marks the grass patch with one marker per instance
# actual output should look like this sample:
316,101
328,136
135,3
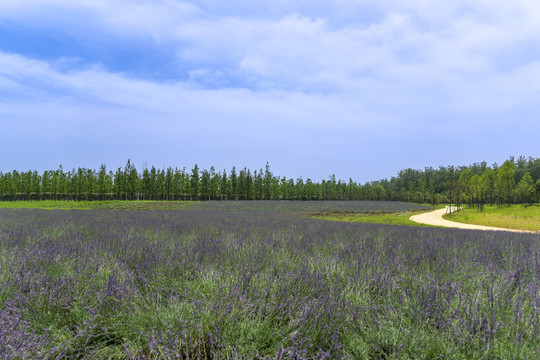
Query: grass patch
88,205
513,217
400,218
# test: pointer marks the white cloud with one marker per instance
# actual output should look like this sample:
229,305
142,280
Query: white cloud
280,66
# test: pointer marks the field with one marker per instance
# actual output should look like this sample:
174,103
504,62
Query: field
513,217
243,280
87,205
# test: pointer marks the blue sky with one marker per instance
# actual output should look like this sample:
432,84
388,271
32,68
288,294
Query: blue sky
357,88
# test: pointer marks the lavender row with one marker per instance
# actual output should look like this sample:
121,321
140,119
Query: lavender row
260,284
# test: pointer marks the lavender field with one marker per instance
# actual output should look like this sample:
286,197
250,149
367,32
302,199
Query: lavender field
256,281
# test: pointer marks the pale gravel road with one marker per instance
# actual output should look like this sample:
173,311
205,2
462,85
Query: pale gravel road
435,218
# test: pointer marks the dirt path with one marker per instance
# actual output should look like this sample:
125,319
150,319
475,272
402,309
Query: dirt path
435,218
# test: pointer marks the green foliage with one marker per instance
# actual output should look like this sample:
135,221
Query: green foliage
476,184
505,181
526,188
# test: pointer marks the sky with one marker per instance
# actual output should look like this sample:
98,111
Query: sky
360,89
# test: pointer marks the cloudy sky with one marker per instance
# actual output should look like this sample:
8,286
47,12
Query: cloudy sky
358,88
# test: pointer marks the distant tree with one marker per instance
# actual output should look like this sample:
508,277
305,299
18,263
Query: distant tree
300,189
505,181
526,188
484,187
205,184
90,184
161,186
16,184
185,184
258,184
292,189
79,181
195,182
3,191
249,186
267,182
102,183
454,193
131,181
119,184
177,183
380,193
46,184
241,187
284,186
234,184
224,188
9,188
214,183
275,188
309,189
153,184
169,183
465,185
146,184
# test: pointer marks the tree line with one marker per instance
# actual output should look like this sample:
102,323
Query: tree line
513,182
171,184
516,181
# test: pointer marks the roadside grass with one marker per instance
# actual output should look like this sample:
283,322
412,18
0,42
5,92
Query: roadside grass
513,217
88,205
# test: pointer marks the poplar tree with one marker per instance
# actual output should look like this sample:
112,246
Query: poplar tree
234,184
249,184
169,177
224,187
177,183
267,182
214,183
146,184
258,184
195,182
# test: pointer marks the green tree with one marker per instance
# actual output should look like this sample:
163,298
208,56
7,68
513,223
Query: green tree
195,182
234,184
214,183
484,188
119,184
505,182
224,188
169,183
185,184
526,188
90,184
131,181
205,185
465,184
267,182
537,190
258,184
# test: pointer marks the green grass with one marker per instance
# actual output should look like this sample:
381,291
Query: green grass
87,205
401,218
513,217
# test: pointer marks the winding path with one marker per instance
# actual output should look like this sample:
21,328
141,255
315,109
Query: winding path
435,218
